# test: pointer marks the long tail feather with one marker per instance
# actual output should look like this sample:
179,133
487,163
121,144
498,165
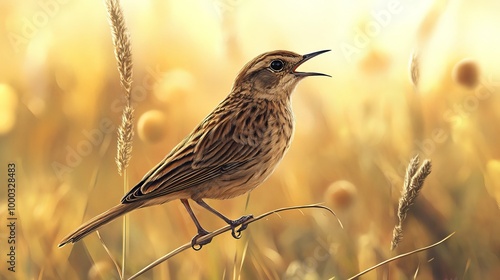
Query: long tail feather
98,221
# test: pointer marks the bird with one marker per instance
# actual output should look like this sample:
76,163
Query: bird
231,152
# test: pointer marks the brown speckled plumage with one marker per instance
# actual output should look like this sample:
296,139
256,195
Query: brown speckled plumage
232,151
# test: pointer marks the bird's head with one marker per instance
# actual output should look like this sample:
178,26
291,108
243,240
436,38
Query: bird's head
273,75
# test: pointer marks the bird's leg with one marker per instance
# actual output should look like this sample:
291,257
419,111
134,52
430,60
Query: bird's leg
233,223
201,231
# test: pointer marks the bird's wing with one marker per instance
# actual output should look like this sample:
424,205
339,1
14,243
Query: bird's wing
217,146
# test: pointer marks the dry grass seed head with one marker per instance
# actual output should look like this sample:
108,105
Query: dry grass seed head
125,136
123,54
121,42
414,182
415,68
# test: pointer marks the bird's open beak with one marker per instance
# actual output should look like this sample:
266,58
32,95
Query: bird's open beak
305,58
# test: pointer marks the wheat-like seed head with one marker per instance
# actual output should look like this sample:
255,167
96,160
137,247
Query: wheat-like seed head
415,68
414,181
123,54
125,136
121,42
397,235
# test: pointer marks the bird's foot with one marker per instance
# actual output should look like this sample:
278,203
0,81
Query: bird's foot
236,233
198,245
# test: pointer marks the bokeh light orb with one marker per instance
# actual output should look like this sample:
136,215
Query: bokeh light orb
152,126
341,194
466,73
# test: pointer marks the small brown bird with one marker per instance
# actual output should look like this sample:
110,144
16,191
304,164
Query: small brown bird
232,151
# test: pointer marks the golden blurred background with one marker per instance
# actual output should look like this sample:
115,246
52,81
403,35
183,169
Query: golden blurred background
61,101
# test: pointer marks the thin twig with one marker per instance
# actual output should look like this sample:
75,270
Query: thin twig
225,229
109,254
400,256
125,228
243,257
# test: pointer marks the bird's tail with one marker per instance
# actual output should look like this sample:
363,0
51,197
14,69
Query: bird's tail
98,221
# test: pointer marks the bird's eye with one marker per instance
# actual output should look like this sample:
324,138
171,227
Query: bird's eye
277,65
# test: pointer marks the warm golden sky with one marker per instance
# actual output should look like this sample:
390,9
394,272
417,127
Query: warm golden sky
61,101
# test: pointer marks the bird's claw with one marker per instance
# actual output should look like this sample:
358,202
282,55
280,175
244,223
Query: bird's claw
198,245
237,226
236,233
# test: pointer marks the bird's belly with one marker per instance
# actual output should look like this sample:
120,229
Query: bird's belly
242,180
256,170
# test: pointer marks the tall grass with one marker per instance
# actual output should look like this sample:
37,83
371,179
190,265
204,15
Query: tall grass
123,54
351,148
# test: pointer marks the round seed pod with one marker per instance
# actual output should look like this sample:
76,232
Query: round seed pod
466,73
